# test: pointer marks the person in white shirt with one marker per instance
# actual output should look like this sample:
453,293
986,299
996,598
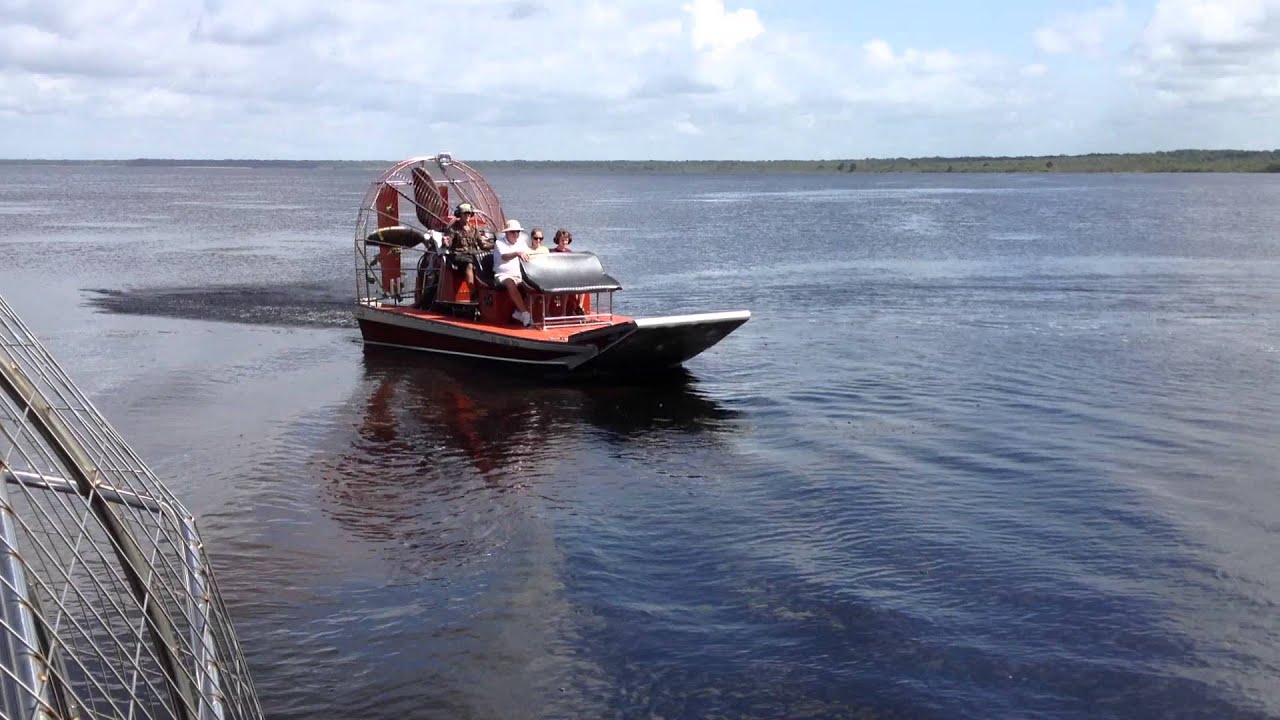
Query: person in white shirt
508,251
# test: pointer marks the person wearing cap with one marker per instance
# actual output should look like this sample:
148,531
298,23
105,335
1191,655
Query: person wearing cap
508,251
466,244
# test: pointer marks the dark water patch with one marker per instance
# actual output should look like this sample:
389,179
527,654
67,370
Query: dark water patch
291,304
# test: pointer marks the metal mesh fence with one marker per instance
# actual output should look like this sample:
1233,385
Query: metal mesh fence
108,607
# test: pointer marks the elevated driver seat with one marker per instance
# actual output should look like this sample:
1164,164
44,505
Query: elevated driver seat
485,275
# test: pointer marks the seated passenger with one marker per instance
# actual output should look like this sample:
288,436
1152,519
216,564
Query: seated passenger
466,244
535,243
571,304
562,240
508,251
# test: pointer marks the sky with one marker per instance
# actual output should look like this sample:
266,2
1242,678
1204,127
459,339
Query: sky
634,79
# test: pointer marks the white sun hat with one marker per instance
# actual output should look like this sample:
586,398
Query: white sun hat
513,226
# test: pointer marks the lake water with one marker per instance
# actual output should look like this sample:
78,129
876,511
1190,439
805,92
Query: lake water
990,446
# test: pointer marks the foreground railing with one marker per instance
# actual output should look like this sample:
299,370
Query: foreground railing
108,606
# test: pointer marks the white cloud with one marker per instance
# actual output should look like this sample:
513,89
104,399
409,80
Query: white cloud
934,83
879,54
1198,52
1080,33
717,30
36,94
533,78
237,22
1219,23
238,73
685,127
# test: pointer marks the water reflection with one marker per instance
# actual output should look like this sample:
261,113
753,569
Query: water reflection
444,459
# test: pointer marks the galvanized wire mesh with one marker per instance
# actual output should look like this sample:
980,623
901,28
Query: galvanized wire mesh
108,607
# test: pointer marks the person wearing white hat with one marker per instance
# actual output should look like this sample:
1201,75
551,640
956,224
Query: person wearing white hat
508,251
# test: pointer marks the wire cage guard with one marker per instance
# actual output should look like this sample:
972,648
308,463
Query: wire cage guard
108,606
418,195
430,186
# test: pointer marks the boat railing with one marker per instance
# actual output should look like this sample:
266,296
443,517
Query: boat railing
600,314
375,286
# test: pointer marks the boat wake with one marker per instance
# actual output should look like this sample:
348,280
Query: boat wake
292,304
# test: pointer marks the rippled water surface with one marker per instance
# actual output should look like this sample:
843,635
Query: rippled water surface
990,447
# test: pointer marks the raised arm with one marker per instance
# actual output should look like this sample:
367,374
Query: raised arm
516,252
507,250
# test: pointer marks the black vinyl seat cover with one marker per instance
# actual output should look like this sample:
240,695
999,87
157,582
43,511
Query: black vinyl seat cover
485,276
576,272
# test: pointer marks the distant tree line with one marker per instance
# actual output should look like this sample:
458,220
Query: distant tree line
1169,161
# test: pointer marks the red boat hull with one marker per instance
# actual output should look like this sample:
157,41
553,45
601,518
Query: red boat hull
623,345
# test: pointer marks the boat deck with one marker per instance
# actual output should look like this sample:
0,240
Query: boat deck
556,333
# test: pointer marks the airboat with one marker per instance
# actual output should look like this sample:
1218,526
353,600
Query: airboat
409,294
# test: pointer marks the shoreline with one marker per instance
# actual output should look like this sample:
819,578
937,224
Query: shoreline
1177,161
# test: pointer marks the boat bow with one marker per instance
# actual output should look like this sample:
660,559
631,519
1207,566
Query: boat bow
651,343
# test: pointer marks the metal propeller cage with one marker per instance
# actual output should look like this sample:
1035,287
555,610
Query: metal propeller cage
427,190
108,606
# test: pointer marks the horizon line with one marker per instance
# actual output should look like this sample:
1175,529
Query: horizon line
644,160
